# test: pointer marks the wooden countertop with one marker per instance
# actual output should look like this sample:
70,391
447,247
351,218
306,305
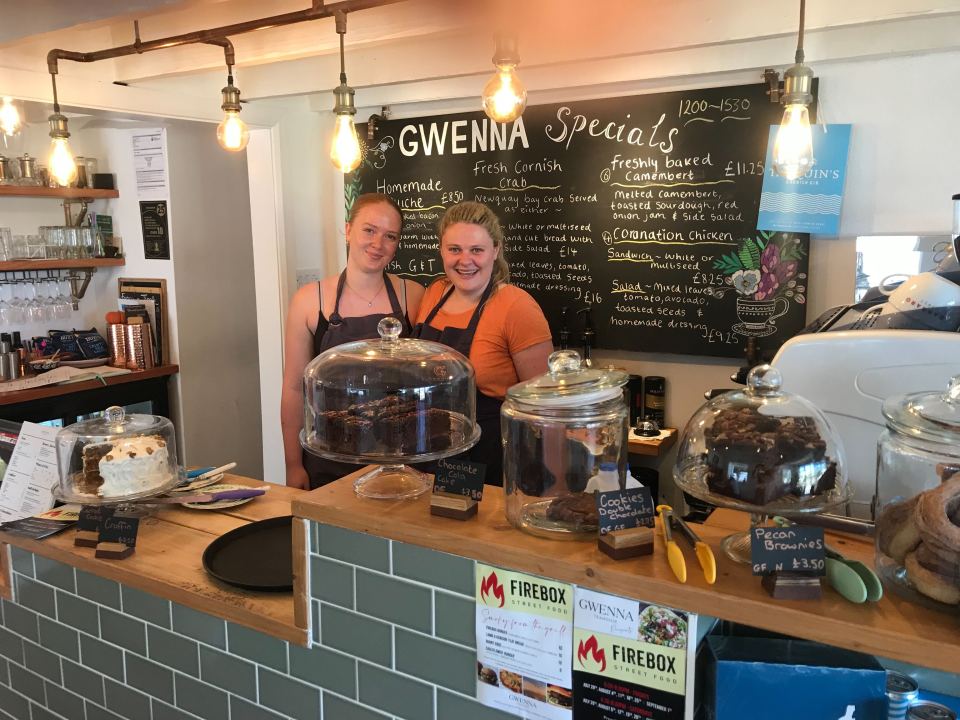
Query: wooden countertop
892,628
19,396
168,562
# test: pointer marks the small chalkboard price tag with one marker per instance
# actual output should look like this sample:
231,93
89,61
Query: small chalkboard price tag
792,549
88,524
460,477
91,516
120,528
624,509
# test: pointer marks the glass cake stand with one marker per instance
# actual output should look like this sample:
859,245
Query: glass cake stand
693,479
763,451
394,479
389,401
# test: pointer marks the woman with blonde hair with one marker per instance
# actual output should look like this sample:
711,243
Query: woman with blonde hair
476,311
342,308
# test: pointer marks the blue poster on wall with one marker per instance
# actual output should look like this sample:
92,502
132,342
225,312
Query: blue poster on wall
811,203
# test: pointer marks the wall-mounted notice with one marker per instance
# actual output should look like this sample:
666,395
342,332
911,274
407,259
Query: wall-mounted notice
643,207
154,225
150,163
632,661
811,203
524,636
27,487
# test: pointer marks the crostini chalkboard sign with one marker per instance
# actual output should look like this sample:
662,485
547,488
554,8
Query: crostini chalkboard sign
643,207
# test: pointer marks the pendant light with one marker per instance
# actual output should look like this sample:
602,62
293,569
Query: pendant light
61,163
793,147
11,119
504,96
232,132
345,149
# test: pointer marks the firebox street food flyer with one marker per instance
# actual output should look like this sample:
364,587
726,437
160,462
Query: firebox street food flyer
630,659
524,643
31,476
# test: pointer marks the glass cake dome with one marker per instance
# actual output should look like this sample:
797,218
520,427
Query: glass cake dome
116,458
764,451
389,401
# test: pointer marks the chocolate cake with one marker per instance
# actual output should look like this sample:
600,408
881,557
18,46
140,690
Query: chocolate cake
90,479
391,425
759,458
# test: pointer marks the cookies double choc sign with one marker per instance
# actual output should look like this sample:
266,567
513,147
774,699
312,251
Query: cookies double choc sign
624,509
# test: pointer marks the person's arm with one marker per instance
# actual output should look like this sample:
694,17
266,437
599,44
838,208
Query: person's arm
415,292
533,360
297,352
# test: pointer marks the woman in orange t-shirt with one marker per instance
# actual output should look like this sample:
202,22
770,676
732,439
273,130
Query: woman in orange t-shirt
476,311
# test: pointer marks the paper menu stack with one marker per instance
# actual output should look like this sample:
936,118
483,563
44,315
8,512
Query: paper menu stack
32,475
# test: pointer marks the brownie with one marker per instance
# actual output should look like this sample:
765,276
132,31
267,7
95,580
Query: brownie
576,508
759,458
388,425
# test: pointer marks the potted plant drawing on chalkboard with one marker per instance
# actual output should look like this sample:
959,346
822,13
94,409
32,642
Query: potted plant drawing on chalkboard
374,157
763,271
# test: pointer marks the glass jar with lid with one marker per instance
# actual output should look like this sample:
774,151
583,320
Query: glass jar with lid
116,458
918,496
389,401
557,430
761,450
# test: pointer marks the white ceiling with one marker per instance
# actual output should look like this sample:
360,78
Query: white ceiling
22,19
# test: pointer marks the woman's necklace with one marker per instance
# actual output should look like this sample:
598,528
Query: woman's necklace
370,301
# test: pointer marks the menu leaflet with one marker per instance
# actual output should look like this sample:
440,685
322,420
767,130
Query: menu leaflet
524,643
632,661
31,476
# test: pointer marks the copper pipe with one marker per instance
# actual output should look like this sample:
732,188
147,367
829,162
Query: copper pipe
215,36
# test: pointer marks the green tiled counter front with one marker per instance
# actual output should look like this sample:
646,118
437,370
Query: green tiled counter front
392,630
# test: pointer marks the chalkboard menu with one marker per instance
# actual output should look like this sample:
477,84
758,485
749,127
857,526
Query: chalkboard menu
643,208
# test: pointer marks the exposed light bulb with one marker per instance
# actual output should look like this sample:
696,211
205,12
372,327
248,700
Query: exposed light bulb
11,121
345,150
793,147
232,132
61,164
504,97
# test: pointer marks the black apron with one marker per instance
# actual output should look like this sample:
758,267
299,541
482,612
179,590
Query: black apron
489,449
342,330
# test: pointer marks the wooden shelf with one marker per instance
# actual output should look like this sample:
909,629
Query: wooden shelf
892,628
654,446
11,265
47,391
61,193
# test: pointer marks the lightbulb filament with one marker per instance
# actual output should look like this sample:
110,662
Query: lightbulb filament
232,133
345,150
61,164
504,96
793,147
10,120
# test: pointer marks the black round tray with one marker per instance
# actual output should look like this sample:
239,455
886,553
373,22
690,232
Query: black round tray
257,556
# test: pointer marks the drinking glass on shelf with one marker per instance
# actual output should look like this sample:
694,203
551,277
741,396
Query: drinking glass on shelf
85,242
71,242
18,248
8,311
62,304
53,239
6,240
36,247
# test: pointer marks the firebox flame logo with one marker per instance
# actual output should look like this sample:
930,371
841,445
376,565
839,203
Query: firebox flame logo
490,586
591,648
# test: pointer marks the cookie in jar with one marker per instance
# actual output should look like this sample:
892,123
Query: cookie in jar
918,496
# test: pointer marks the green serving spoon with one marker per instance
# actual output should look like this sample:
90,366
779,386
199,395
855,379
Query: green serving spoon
852,579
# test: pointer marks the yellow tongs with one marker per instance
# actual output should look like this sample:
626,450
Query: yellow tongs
670,522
